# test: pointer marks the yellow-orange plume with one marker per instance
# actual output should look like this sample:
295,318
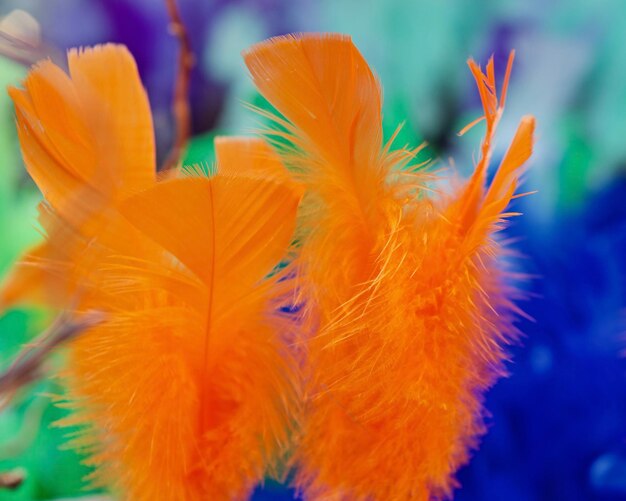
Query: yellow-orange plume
406,289
87,141
189,387
188,391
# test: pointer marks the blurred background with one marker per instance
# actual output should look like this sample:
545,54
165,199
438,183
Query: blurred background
557,429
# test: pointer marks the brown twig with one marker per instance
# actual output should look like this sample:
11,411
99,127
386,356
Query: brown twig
20,52
28,367
21,41
180,104
28,364
12,479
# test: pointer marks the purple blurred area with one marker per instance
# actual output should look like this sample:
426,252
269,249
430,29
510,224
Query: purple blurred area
143,26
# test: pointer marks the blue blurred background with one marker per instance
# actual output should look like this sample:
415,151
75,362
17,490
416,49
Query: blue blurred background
558,423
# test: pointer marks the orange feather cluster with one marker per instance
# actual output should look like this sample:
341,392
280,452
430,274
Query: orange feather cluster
405,289
187,391
191,389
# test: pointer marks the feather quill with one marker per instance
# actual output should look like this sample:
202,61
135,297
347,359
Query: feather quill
406,291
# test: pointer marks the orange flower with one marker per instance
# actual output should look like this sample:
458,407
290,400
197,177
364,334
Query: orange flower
187,392
407,289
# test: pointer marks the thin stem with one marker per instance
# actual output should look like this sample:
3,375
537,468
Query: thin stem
180,105
11,479
28,364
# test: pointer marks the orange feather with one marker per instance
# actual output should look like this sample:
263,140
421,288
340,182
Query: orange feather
188,391
190,387
407,290
87,141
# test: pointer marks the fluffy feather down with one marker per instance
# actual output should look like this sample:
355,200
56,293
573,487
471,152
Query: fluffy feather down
407,290
187,392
